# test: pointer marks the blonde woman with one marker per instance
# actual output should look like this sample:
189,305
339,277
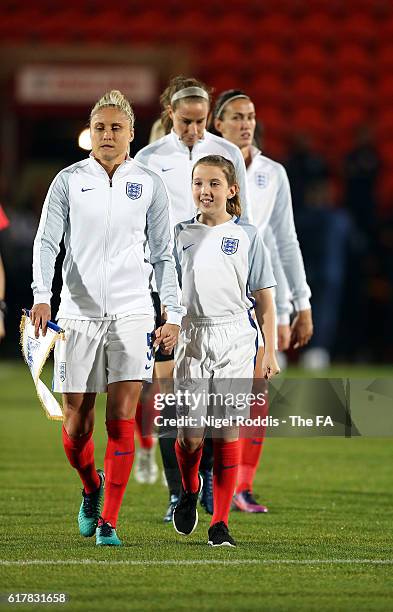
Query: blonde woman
104,207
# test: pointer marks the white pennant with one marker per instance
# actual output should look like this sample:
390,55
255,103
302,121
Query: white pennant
35,352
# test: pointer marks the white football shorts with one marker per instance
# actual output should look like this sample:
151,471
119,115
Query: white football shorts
97,353
214,362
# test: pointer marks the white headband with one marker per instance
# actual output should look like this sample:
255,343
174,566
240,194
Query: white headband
189,92
218,113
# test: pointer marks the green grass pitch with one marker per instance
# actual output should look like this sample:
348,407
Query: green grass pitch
326,543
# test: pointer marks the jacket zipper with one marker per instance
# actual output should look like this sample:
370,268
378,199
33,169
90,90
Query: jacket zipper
106,241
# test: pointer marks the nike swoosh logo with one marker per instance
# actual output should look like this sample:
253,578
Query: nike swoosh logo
147,367
119,453
166,169
188,246
87,189
228,467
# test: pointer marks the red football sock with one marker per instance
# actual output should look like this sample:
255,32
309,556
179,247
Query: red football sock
118,462
251,446
144,421
80,453
189,467
250,452
226,459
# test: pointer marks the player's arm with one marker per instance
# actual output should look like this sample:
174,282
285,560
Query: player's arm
53,223
282,294
283,227
160,245
260,282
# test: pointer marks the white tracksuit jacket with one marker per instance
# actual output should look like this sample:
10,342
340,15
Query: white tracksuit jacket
106,223
270,196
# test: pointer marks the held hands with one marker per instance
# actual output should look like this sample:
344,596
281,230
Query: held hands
166,337
270,366
301,328
40,314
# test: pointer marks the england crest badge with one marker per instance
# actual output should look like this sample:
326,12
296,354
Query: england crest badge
229,245
134,190
262,180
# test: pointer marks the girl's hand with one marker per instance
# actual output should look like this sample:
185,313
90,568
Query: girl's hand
270,366
166,337
40,315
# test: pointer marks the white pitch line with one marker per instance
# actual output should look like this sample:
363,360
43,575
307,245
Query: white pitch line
130,562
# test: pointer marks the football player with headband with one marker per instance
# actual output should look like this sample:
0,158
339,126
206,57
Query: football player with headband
186,103
234,118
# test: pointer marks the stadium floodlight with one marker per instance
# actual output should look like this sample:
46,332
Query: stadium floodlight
84,139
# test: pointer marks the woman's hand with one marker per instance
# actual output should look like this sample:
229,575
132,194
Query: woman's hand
270,366
166,337
301,328
283,337
40,315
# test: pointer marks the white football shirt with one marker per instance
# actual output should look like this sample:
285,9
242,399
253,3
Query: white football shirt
219,266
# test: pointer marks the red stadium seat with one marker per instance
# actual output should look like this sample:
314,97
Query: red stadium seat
386,30
386,151
270,89
21,25
354,59
384,125
346,118
274,147
188,28
273,119
353,90
311,59
359,28
319,28
384,91
384,59
331,7
224,56
270,57
223,81
310,90
150,26
234,26
311,119
277,28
